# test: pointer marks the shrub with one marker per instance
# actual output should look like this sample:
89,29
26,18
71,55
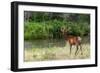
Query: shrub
51,29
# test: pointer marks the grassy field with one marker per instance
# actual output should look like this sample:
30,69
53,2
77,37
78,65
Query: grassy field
55,53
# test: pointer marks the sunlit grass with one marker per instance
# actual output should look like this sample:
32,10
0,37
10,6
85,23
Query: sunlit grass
56,53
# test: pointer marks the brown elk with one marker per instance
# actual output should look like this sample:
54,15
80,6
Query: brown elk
73,40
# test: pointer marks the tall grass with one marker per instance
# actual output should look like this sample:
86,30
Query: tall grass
56,53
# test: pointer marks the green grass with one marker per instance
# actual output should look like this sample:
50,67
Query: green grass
56,53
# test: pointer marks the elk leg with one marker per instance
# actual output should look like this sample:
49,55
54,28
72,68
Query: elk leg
81,49
70,49
76,50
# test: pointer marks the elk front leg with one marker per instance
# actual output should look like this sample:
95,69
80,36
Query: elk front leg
81,49
70,49
76,49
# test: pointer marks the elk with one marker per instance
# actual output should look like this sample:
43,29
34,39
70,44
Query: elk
72,39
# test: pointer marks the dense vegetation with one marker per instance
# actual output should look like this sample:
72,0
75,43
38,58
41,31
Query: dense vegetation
44,25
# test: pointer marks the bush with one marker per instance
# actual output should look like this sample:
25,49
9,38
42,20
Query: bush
51,29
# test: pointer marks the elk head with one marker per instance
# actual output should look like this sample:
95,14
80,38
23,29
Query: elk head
64,30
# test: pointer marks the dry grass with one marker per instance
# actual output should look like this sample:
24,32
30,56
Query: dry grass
56,53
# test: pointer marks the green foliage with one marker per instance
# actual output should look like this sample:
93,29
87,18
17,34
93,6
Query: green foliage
79,29
44,25
37,30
